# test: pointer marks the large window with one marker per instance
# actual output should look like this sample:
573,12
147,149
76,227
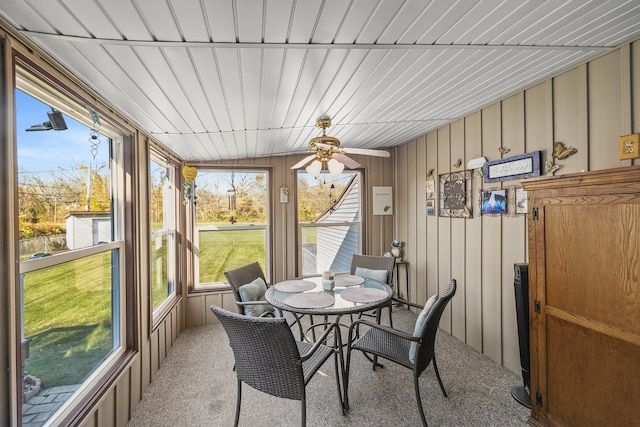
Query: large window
329,221
162,207
71,250
231,224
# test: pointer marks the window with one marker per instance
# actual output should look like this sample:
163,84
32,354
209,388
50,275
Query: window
162,207
231,224
329,221
71,215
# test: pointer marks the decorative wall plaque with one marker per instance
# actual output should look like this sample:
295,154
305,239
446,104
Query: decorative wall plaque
455,194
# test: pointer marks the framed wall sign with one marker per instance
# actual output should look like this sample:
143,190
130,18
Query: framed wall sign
515,167
382,201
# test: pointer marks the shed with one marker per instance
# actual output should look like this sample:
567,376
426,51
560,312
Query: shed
86,228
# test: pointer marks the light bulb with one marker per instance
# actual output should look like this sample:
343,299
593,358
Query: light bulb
335,167
314,168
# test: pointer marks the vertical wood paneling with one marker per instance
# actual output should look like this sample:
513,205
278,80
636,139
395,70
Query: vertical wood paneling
473,235
155,356
106,410
135,388
605,111
162,342
513,233
491,249
419,260
281,263
401,205
625,93
123,399
145,368
458,237
89,421
409,235
569,121
375,232
433,254
194,309
539,120
444,226
175,319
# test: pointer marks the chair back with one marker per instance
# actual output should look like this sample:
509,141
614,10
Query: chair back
241,276
265,352
425,348
373,262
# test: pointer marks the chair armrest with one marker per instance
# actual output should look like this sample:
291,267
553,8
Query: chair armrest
356,325
409,303
252,303
319,342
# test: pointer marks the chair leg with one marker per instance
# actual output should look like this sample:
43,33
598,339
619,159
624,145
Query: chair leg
299,322
339,373
435,367
345,380
420,409
304,412
238,399
390,317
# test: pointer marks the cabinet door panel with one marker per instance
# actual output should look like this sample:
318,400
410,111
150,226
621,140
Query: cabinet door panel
592,378
592,262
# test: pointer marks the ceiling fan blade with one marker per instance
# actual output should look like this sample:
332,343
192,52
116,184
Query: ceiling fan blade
367,152
303,162
348,162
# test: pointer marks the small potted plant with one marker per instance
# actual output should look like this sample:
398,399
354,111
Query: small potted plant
396,246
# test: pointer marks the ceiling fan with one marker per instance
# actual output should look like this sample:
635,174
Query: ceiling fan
327,153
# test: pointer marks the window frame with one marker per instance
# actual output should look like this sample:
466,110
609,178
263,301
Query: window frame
195,286
54,89
170,207
361,226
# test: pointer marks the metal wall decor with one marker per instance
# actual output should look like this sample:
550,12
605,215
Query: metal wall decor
455,194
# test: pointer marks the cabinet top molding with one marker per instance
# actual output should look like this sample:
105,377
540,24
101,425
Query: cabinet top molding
597,177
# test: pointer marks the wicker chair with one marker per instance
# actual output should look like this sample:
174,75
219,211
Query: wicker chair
269,359
376,263
396,346
246,274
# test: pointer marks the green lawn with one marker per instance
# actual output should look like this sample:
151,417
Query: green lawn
223,250
67,316
67,308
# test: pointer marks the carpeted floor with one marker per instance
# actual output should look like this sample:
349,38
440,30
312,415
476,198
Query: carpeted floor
196,386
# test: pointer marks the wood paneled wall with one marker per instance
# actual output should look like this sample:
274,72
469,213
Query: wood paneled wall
588,107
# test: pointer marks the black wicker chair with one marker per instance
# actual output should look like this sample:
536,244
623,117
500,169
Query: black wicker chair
246,274
396,346
372,262
269,359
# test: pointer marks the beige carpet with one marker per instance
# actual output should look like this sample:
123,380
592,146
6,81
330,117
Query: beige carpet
196,386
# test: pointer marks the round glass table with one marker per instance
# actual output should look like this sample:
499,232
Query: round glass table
352,294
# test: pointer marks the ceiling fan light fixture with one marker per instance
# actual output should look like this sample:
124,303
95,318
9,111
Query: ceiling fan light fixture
314,168
335,167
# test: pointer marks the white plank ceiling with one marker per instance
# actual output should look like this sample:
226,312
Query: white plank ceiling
222,79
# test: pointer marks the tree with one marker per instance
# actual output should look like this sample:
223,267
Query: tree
46,198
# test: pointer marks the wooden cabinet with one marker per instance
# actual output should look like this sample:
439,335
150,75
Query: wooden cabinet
584,293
